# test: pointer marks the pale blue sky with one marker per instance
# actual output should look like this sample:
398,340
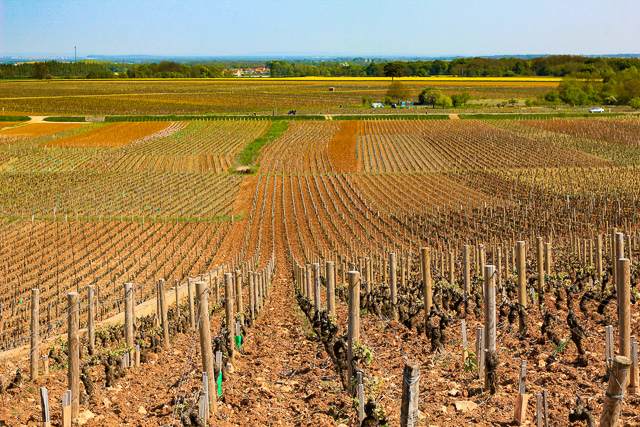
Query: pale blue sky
330,27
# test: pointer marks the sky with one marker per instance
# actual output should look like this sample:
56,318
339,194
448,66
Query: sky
374,28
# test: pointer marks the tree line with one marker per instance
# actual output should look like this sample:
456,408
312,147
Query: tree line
556,65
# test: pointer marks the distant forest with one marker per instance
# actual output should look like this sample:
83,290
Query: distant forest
559,66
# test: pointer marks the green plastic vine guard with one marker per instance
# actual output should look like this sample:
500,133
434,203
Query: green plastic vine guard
239,341
220,384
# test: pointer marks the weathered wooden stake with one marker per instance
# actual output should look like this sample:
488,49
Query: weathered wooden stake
228,305
91,321
353,331
540,259
624,313
128,315
520,413
634,381
599,256
73,349
192,314
44,404
66,409
331,289
608,343
360,398
393,286
317,305
239,302
45,365
205,341
410,394
522,279
480,351
466,270
164,318
35,332
615,391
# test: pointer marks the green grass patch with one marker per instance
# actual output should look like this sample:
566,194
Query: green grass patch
249,153
64,119
14,118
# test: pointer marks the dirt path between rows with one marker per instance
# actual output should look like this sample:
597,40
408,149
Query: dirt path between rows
284,376
342,147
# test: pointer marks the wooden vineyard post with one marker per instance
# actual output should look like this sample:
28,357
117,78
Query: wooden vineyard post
499,269
619,242
482,258
239,302
44,402
35,332
45,364
491,356
465,352
615,391
252,296
164,319
205,341
599,256
540,258
425,258
91,320
542,409
452,266
177,284
228,305
614,258
522,280
466,270
410,394
317,305
128,315
66,409
634,383
353,330
308,279
624,313
480,351
331,289
192,314
520,413
393,285
548,252
360,398
73,352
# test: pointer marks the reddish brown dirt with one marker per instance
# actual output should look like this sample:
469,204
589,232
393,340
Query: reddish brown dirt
342,148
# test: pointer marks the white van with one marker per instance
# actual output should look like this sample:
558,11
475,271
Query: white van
597,110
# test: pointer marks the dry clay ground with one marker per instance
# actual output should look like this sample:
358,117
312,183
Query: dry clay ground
280,378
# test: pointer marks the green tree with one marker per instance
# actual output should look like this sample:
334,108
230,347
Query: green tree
40,70
398,91
444,101
392,69
429,96
460,99
635,102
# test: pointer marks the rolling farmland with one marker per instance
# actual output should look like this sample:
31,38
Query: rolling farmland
358,254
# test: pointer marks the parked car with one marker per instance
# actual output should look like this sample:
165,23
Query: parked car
597,110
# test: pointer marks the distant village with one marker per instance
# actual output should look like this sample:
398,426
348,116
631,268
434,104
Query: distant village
250,72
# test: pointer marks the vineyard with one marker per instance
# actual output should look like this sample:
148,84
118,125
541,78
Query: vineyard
235,95
368,273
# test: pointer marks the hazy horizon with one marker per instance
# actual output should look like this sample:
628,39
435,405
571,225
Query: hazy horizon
268,28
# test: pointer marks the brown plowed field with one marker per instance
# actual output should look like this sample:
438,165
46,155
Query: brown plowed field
342,148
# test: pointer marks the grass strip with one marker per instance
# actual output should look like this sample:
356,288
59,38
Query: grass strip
64,119
249,153
14,118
